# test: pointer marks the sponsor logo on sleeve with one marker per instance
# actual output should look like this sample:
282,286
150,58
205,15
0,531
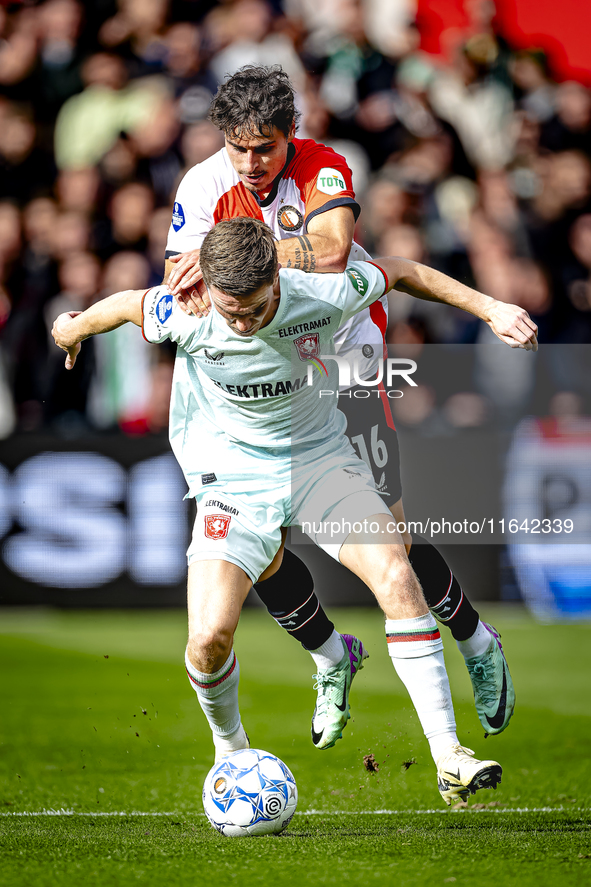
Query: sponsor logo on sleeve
164,308
208,478
178,217
330,181
289,218
308,346
360,282
217,525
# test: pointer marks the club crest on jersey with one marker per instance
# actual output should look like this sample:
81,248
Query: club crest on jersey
164,308
178,217
217,525
360,282
289,218
308,346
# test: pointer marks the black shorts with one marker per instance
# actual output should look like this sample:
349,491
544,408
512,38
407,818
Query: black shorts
370,428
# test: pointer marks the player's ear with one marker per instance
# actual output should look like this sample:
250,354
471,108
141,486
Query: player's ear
292,132
276,287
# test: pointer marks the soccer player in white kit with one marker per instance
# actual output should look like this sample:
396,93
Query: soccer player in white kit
236,366
304,192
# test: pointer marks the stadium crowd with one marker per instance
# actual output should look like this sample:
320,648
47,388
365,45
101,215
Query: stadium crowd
475,161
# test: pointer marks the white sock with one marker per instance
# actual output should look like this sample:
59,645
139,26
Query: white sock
218,696
440,743
225,745
416,650
477,644
329,653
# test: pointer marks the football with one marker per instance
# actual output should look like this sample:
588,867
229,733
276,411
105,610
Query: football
251,792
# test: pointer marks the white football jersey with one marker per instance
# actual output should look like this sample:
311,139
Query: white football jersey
233,393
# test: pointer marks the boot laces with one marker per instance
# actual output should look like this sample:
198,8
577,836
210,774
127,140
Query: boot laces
483,672
325,683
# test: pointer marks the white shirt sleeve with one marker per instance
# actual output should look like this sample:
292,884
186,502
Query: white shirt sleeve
360,284
192,213
163,319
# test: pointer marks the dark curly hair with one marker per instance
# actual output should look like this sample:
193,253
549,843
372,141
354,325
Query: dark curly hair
238,257
253,101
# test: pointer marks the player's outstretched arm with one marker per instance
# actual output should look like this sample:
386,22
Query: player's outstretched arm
510,323
73,327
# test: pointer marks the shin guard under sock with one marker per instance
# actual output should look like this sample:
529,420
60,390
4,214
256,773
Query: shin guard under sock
290,599
416,651
218,695
442,591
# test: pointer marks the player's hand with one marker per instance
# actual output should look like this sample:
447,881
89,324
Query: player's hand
62,334
185,282
194,300
514,326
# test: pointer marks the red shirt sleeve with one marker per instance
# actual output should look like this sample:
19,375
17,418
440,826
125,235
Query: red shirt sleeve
323,178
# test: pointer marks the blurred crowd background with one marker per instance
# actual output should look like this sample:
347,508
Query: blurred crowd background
473,157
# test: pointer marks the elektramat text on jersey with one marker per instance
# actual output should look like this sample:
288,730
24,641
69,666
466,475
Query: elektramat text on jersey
303,327
267,389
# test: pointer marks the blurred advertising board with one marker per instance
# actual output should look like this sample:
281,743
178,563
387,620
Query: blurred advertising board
548,485
99,521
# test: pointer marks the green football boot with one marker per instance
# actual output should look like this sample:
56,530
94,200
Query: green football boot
494,694
333,685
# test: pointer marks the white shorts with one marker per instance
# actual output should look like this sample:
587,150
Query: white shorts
327,496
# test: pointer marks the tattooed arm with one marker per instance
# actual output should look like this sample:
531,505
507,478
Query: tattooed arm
324,247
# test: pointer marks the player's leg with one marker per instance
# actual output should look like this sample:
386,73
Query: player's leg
289,596
216,591
415,646
232,544
414,642
287,588
478,642
371,430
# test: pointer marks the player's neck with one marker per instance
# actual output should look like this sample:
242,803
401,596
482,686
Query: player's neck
264,193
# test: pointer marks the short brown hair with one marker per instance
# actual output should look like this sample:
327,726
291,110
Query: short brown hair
238,257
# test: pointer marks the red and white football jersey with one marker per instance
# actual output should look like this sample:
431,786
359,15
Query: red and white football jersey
315,179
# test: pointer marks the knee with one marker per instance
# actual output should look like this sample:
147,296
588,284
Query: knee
208,647
396,573
400,586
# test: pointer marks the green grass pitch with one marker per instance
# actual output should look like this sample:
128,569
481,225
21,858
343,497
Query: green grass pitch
99,725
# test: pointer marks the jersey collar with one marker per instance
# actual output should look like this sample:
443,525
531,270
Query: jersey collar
275,187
